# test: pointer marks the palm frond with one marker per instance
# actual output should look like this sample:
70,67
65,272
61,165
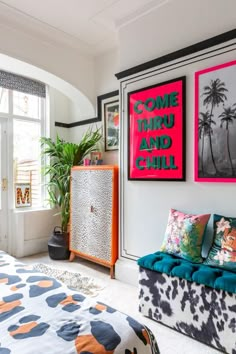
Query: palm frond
214,93
64,155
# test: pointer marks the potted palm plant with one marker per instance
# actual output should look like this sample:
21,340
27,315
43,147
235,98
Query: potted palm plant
62,156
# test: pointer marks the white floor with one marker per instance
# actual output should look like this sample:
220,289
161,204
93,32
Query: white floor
124,298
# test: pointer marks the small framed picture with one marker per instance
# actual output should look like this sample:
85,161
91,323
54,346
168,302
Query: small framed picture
96,157
108,112
22,195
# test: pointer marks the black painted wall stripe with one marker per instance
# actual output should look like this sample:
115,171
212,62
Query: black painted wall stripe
76,124
63,125
210,42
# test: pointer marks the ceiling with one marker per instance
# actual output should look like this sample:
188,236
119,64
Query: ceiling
91,25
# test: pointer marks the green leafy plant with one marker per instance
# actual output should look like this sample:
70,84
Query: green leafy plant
64,155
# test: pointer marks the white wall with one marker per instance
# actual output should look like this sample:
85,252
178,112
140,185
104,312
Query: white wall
30,231
60,111
63,61
177,24
59,67
105,68
76,133
146,204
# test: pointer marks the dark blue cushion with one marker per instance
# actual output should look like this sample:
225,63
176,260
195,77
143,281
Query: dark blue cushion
213,277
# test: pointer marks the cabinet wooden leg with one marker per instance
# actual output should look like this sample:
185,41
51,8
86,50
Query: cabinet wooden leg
112,272
72,256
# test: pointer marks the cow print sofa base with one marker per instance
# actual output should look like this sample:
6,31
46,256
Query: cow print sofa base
195,299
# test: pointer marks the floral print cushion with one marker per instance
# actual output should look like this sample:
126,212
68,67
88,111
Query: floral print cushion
223,251
184,235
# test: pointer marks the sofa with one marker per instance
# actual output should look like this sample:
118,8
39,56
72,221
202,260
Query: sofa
194,299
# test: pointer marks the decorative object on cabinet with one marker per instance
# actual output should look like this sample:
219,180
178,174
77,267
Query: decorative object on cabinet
86,162
94,214
95,157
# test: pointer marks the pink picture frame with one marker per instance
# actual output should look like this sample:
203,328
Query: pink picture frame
215,124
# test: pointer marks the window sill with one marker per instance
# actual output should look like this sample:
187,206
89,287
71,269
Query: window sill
30,210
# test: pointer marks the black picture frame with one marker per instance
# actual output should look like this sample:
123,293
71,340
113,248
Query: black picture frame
133,147
107,110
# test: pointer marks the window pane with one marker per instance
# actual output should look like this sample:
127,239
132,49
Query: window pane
27,162
26,105
3,100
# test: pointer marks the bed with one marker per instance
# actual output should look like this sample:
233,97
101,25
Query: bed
39,314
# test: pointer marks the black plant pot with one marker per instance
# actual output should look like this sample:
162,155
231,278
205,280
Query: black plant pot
58,244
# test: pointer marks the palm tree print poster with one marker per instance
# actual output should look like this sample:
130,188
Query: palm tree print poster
215,124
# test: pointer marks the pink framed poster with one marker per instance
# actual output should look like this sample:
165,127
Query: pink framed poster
156,132
215,124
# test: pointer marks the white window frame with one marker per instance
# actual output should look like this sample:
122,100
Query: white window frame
44,127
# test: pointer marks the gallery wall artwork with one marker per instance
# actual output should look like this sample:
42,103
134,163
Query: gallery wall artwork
156,132
215,123
108,113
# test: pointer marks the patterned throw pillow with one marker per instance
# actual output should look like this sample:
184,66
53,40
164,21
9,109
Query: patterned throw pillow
223,251
184,235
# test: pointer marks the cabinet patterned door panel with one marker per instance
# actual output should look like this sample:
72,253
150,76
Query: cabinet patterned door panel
92,203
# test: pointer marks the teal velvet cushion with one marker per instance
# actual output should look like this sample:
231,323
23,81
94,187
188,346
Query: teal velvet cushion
213,277
184,235
223,251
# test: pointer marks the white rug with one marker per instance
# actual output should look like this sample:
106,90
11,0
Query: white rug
75,281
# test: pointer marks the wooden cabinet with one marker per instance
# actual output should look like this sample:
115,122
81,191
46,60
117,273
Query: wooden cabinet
94,214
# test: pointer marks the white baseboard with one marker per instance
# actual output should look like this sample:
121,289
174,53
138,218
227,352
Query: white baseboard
3,245
127,271
35,246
